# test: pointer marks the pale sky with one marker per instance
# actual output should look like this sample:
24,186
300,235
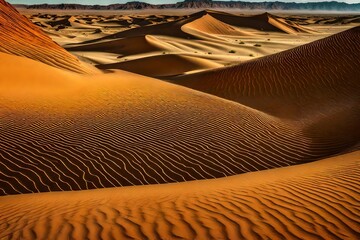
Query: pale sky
107,2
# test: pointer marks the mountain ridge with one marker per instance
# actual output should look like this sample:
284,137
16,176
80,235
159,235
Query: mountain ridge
138,5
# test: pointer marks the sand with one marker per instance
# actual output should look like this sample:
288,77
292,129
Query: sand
164,127
20,37
105,130
319,200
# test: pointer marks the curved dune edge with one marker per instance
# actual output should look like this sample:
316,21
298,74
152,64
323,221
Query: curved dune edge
20,37
163,65
318,200
124,46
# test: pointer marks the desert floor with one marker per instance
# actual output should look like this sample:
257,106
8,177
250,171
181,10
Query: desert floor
179,125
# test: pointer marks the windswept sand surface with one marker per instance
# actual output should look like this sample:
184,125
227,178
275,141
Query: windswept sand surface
81,132
18,36
288,83
279,132
318,200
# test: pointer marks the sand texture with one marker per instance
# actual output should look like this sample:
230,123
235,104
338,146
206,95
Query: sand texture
318,200
20,37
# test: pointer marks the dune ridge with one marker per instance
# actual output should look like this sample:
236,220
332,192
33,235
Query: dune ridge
210,25
319,200
20,37
176,64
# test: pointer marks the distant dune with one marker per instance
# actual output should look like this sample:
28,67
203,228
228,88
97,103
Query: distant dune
318,200
189,36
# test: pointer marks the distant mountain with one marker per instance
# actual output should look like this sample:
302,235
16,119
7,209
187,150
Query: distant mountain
332,6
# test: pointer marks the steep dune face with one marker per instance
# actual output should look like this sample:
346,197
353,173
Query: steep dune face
63,131
210,25
20,37
163,65
318,200
264,22
124,46
317,83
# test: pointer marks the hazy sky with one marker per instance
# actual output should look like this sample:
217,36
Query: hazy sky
106,2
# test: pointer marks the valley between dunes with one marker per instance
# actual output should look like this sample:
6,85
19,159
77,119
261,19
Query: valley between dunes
209,125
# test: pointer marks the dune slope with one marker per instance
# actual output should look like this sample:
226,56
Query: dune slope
264,22
162,65
64,131
210,25
20,37
317,84
319,200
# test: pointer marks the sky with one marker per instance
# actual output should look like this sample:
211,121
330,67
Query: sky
106,2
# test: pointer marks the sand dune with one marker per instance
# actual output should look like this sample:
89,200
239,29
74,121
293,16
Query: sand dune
64,131
210,25
171,64
124,46
305,84
20,37
287,84
318,200
262,22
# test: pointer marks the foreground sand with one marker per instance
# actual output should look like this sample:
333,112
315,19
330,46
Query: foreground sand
318,200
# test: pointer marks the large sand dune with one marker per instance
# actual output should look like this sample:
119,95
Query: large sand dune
317,83
263,22
65,131
20,37
318,200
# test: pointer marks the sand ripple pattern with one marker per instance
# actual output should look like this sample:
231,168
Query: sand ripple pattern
44,151
317,201
288,83
20,37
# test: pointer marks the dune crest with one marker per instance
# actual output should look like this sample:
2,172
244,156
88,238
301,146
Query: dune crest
171,65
